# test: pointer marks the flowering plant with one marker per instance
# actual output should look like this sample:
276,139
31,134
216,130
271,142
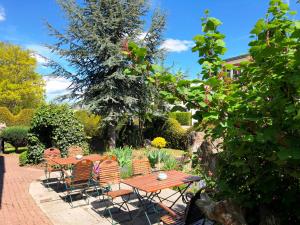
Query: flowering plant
159,142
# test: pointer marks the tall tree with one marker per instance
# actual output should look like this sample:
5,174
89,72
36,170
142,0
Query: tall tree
96,34
20,86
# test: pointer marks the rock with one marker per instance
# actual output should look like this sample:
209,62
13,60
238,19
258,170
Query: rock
195,141
225,212
207,153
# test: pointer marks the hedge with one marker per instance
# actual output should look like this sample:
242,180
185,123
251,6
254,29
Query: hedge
54,126
184,118
22,119
23,158
15,135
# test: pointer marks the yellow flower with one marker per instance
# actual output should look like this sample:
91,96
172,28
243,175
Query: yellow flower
159,142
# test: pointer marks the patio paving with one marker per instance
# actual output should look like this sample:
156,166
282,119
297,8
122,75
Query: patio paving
16,205
52,202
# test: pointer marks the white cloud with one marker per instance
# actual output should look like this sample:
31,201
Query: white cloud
142,36
175,45
2,14
39,58
39,52
56,86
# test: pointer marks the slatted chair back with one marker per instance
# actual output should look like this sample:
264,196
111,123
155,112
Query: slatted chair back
51,153
82,171
141,167
109,173
74,150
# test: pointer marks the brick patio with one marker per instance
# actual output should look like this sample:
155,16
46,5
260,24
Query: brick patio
16,204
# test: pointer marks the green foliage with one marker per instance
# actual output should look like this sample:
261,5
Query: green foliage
184,118
90,122
128,133
98,31
168,128
23,158
170,163
54,126
256,114
124,155
16,136
23,118
175,135
20,86
155,155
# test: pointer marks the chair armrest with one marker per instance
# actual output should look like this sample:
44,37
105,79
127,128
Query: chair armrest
170,211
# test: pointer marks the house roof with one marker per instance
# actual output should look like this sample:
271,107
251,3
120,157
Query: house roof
237,57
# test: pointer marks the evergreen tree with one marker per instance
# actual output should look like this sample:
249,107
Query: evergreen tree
96,33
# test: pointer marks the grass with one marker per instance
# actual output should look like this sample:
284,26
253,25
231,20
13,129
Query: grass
142,151
8,148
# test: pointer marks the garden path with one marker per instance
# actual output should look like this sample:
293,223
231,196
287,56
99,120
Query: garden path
16,204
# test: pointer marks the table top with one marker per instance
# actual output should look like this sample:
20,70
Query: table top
150,183
73,160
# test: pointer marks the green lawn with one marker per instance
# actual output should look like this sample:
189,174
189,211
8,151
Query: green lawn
173,152
10,149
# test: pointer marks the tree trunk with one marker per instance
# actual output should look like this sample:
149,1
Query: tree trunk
1,146
111,136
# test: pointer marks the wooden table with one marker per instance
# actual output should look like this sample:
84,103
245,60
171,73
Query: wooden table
73,160
152,186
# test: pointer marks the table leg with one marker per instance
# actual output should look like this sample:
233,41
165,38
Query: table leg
181,191
143,205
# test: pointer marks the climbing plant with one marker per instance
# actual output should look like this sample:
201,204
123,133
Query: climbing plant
54,126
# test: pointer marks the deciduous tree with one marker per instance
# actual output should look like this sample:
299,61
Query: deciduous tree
20,86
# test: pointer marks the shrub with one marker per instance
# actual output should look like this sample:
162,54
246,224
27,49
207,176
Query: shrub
16,136
54,125
22,119
168,128
176,136
184,118
23,158
159,142
128,133
6,116
90,122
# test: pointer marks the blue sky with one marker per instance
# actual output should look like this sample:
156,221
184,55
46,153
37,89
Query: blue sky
22,22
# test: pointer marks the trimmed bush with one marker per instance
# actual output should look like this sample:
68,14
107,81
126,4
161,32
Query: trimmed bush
6,116
90,122
54,126
22,119
175,135
16,136
184,118
23,158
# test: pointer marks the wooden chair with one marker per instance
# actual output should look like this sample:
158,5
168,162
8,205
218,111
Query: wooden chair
74,150
141,167
51,153
109,175
192,215
80,179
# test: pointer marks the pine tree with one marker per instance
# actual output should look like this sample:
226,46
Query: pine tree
92,44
